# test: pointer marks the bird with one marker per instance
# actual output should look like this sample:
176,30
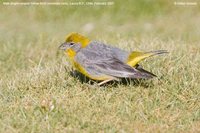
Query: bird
101,62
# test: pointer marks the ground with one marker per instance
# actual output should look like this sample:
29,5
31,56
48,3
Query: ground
38,94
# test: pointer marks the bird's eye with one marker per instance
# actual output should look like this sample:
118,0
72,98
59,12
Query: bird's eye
71,43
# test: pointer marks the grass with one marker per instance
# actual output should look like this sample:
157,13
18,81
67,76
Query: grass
38,94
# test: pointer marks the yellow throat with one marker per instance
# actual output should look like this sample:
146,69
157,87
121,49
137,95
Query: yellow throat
76,38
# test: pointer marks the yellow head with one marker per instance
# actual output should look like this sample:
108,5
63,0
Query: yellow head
73,43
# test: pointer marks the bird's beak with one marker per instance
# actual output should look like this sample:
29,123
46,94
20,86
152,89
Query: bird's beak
62,46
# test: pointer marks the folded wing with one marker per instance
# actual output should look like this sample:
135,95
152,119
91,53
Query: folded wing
115,68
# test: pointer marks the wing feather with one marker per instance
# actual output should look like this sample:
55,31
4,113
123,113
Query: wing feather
106,64
116,68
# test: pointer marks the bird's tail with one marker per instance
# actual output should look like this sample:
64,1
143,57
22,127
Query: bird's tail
135,57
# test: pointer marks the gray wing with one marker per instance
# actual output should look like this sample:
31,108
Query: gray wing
116,68
101,65
122,55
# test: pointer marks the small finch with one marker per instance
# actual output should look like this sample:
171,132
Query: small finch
104,63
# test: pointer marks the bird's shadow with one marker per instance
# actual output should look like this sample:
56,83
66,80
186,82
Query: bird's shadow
124,81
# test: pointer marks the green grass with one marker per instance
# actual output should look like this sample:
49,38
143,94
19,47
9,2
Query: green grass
38,94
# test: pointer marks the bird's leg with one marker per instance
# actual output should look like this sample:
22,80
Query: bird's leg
105,81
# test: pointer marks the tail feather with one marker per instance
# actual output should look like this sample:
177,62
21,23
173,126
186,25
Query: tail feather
135,57
157,52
